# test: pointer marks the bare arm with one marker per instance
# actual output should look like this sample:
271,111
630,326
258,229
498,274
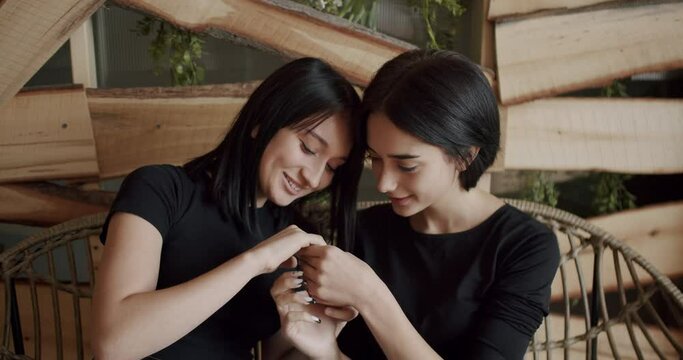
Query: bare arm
131,319
339,278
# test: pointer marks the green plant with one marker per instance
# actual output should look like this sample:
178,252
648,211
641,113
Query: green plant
429,11
611,195
616,89
362,12
541,189
182,48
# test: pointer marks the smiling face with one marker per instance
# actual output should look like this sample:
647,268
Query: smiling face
414,174
297,163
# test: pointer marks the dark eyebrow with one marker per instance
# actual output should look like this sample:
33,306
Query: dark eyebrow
398,156
320,138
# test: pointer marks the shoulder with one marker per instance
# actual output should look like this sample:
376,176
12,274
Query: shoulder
522,236
160,173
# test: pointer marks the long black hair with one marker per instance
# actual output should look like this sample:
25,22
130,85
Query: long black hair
299,95
444,99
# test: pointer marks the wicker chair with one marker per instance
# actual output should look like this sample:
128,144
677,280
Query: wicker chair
646,311
48,281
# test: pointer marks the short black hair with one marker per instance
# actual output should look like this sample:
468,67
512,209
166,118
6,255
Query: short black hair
444,99
299,95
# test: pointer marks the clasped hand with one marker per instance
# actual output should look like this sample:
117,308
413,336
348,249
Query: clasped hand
314,304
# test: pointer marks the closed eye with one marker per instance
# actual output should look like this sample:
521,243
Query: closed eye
306,149
407,168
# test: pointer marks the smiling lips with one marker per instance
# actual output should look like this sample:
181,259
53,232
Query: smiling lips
400,201
293,186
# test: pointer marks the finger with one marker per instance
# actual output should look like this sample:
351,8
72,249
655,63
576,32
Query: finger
308,262
346,313
315,239
290,263
290,298
312,251
286,282
295,316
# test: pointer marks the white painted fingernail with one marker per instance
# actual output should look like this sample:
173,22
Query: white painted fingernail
316,319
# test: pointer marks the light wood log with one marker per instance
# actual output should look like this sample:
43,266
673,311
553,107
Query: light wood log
617,135
32,31
46,134
136,127
46,204
504,8
286,27
550,55
655,232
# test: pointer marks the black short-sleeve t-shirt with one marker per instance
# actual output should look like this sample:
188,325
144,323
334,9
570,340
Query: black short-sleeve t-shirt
476,294
196,239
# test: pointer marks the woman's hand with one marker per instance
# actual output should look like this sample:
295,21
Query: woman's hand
280,248
305,323
336,277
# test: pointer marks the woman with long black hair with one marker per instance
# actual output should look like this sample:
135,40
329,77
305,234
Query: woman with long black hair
189,250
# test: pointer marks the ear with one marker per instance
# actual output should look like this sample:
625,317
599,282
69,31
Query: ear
472,154
463,164
254,132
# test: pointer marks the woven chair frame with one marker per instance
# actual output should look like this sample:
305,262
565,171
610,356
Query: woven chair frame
17,264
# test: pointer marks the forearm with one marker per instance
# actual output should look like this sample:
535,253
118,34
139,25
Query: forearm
391,328
144,323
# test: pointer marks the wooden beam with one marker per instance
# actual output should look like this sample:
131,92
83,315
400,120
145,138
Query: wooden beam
46,134
286,27
550,55
505,8
654,232
46,204
140,126
625,135
32,31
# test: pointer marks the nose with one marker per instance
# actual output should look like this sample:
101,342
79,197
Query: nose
314,173
386,182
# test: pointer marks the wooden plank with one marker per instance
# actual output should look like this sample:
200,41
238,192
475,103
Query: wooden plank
46,134
504,8
32,31
619,135
655,232
46,204
286,27
550,55
136,127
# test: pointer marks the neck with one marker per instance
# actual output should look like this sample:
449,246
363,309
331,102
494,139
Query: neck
456,211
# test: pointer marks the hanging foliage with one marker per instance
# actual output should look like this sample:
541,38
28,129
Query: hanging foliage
541,189
181,48
364,12
429,9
